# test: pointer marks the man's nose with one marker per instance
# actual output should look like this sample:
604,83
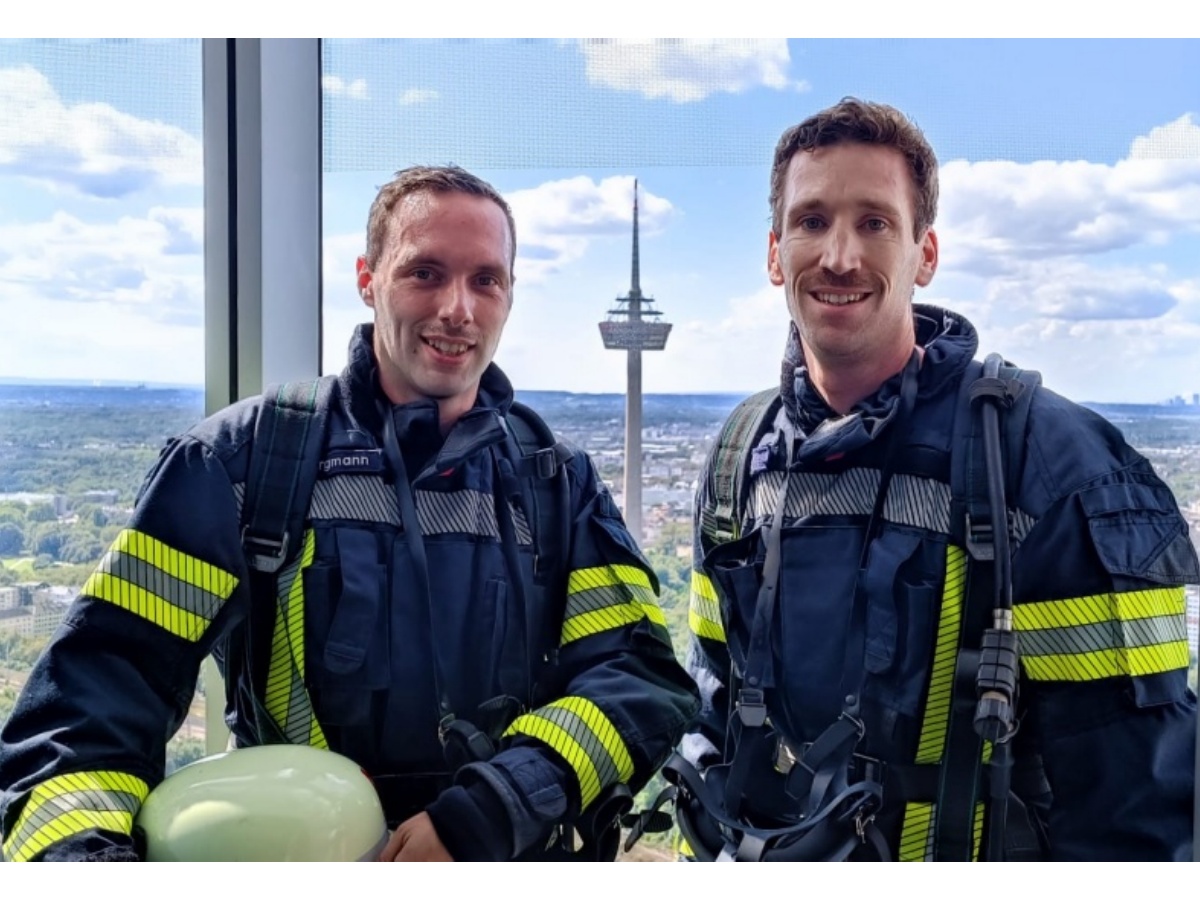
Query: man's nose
458,304
841,252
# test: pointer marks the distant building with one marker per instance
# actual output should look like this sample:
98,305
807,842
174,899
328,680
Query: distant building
18,621
10,597
58,501
50,605
101,498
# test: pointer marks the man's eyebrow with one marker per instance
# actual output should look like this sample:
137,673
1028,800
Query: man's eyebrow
816,204
881,206
416,259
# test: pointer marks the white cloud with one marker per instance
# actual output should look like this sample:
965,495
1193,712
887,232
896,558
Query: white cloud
1176,140
558,219
1104,360
997,215
91,147
1074,290
688,70
753,332
336,86
149,267
342,306
111,300
418,96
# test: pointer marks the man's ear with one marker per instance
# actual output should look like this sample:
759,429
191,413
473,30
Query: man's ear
366,288
929,258
774,272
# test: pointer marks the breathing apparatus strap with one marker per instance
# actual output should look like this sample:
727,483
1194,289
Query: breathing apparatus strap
986,672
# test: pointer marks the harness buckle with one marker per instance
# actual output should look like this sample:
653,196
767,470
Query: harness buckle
264,554
980,541
751,708
545,462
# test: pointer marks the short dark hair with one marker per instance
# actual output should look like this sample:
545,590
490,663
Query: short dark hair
864,122
439,180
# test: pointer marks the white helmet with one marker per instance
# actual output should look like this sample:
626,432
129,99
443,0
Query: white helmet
278,803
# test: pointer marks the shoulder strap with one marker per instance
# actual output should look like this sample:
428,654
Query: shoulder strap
543,465
284,459
721,521
972,524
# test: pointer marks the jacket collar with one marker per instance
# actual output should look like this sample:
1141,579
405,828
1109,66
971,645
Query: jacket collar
480,426
950,342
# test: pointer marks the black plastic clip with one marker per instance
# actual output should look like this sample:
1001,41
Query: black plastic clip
751,708
264,554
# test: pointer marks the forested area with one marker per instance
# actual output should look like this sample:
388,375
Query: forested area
87,450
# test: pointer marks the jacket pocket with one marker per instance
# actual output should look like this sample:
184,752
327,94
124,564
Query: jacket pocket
736,571
900,584
348,636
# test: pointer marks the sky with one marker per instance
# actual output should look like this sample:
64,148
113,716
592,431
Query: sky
1069,221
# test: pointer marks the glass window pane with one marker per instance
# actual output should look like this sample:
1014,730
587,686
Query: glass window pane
1068,226
102,302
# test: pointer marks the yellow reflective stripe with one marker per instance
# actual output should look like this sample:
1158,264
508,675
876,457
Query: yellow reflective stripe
1103,635
67,805
286,698
977,836
578,730
1124,606
1107,663
916,835
603,576
704,610
177,592
917,830
683,848
606,597
936,721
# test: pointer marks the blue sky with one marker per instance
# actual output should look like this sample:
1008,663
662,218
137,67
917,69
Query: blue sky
1069,222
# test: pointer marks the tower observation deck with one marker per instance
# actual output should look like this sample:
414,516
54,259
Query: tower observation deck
634,325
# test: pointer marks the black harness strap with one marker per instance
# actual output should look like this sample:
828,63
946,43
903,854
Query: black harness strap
730,460
973,449
540,485
284,458
283,469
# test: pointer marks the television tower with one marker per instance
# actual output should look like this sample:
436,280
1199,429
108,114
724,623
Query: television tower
633,326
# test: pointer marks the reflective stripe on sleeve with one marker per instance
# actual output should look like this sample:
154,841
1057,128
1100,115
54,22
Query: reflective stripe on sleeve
177,592
578,731
286,698
67,805
606,597
1104,635
704,610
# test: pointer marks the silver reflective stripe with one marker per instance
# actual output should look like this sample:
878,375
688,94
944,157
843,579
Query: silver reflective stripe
911,500
1110,635
464,512
359,498
151,578
363,498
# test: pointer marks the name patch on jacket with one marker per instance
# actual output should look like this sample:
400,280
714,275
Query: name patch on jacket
351,462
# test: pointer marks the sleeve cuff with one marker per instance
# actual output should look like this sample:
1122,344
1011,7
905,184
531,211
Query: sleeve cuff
472,823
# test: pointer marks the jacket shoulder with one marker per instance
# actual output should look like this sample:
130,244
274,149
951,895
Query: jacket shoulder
228,430
1070,448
